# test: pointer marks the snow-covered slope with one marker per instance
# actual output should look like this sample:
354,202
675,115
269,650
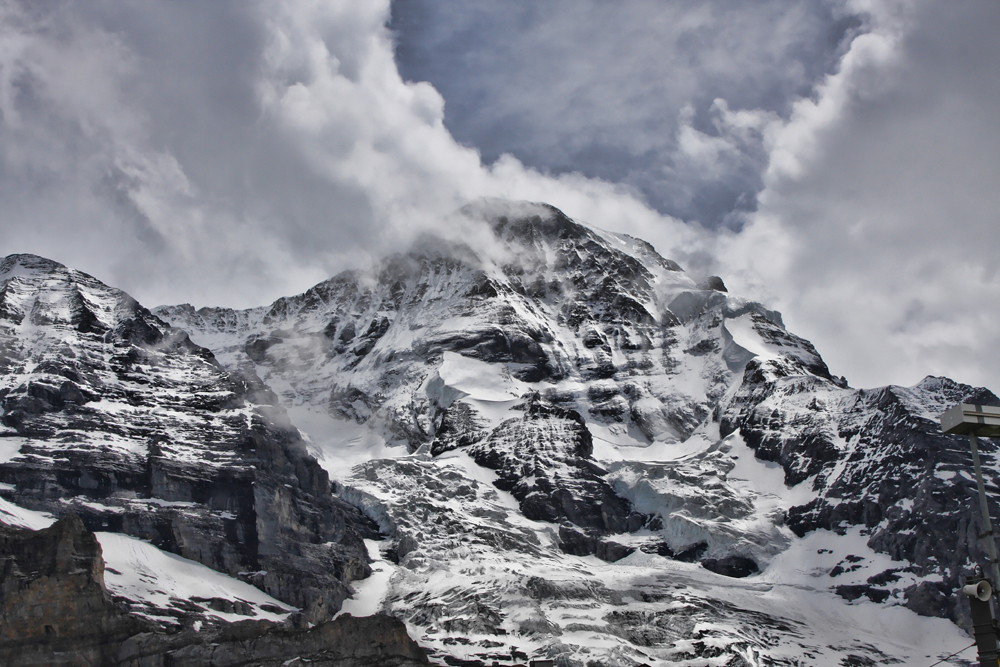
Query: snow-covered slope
577,450
160,586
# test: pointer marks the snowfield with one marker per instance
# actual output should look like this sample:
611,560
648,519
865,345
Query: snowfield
153,581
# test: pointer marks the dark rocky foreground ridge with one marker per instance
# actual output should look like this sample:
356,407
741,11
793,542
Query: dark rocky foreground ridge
562,446
55,610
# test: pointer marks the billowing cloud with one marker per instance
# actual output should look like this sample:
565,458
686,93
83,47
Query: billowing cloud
877,230
231,152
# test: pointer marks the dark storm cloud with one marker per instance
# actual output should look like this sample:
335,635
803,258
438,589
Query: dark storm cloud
611,89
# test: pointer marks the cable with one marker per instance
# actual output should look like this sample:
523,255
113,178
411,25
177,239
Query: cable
954,654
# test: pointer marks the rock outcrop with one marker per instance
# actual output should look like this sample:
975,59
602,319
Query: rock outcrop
55,611
544,459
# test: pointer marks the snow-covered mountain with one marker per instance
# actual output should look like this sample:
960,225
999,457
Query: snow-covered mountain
551,443
110,413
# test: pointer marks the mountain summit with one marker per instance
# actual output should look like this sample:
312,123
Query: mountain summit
555,443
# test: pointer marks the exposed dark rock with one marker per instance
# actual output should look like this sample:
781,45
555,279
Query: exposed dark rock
459,427
713,283
611,551
854,592
543,460
372,641
54,609
347,334
689,555
731,566
257,348
576,542
931,598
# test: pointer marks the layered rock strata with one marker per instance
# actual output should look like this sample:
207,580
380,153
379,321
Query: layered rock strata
112,414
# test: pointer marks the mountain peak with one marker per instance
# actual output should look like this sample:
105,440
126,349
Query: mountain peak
24,264
525,220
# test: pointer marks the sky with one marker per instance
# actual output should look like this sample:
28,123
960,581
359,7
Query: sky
838,160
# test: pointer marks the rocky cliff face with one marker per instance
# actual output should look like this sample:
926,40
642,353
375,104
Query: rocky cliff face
112,414
54,608
556,444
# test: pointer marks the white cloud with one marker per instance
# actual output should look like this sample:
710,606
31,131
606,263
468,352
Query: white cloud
232,153
877,229
229,153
